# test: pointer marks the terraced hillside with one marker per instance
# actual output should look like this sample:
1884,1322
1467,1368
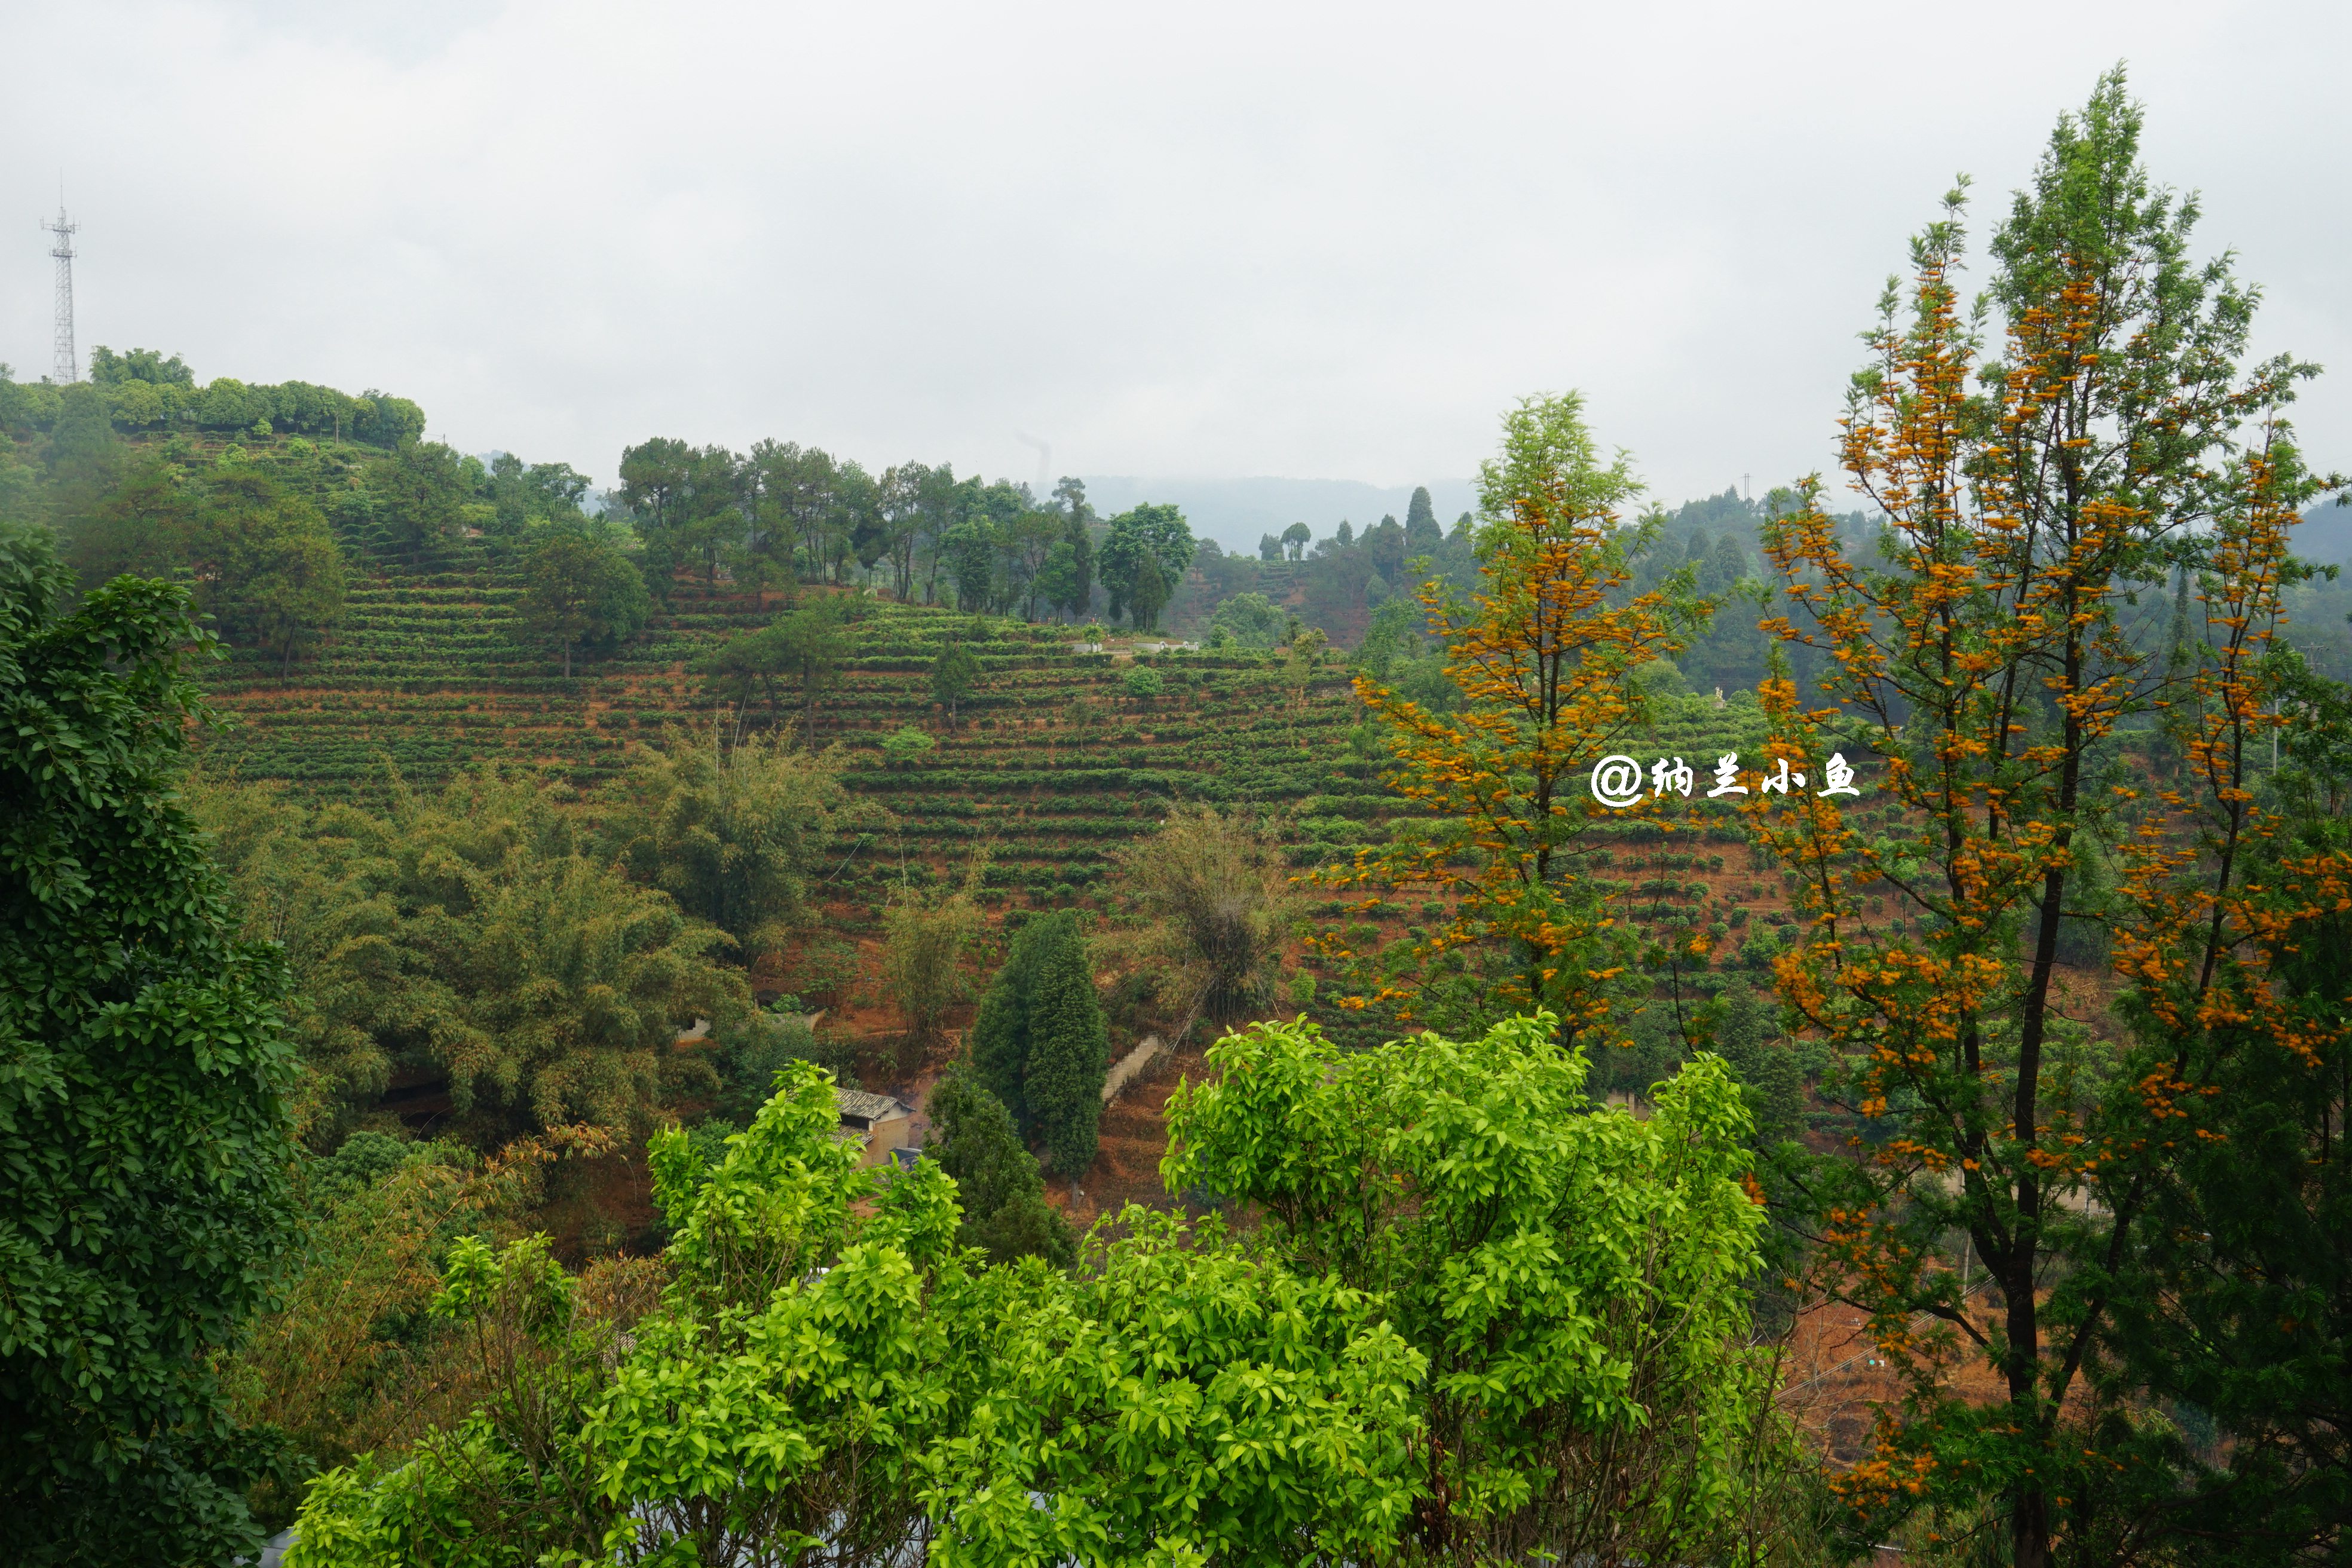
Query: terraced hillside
1055,763
1053,759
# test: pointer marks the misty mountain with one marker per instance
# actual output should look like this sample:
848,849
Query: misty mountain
2325,536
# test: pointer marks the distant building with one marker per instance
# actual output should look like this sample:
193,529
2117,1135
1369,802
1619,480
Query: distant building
883,1124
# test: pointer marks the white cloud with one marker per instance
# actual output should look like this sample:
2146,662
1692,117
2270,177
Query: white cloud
1319,241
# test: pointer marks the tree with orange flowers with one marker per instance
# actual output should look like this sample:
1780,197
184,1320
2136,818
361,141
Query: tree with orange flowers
2005,657
1544,655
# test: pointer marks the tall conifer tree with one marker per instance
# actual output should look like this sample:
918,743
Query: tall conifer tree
1068,1047
1039,1042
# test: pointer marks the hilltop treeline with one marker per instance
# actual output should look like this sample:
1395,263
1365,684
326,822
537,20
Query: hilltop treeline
785,512
121,467
145,390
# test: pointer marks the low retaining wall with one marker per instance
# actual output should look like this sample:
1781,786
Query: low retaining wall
1131,1067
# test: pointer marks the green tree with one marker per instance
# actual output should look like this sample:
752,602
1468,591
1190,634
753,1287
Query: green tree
746,666
689,506
954,675
1574,1274
1248,620
755,1045
1147,594
553,490
795,505
142,528
1143,560
347,1359
1057,579
1295,539
1028,543
942,502
969,550
1076,591
656,488
1039,1043
998,1041
479,934
898,506
2001,645
416,495
1069,1048
812,642
355,996
383,420
1003,1197
143,1092
2236,1323
580,590
295,597
108,368
523,494
267,567
858,498
1180,1400
1421,534
805,646
829,1366
83,460
508,498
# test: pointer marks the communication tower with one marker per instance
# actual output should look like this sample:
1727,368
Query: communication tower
68,369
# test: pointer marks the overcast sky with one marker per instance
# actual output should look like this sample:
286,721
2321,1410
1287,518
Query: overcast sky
1317,241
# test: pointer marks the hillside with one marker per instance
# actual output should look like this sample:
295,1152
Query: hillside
1052,758
1056,761
1053,763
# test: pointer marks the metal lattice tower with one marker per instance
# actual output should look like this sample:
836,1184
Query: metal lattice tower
68,369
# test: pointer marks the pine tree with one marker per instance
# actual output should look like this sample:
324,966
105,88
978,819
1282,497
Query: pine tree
1068,1049
999,1042
1003,1196
1039,1042
1422,533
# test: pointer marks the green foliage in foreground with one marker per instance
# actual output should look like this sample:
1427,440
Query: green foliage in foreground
829,1366
1573,1275
143,1121
1492,1320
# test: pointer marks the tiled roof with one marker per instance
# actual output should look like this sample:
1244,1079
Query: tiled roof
869,1106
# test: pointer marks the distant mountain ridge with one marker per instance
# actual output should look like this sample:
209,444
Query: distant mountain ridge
2326,536
1237,512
